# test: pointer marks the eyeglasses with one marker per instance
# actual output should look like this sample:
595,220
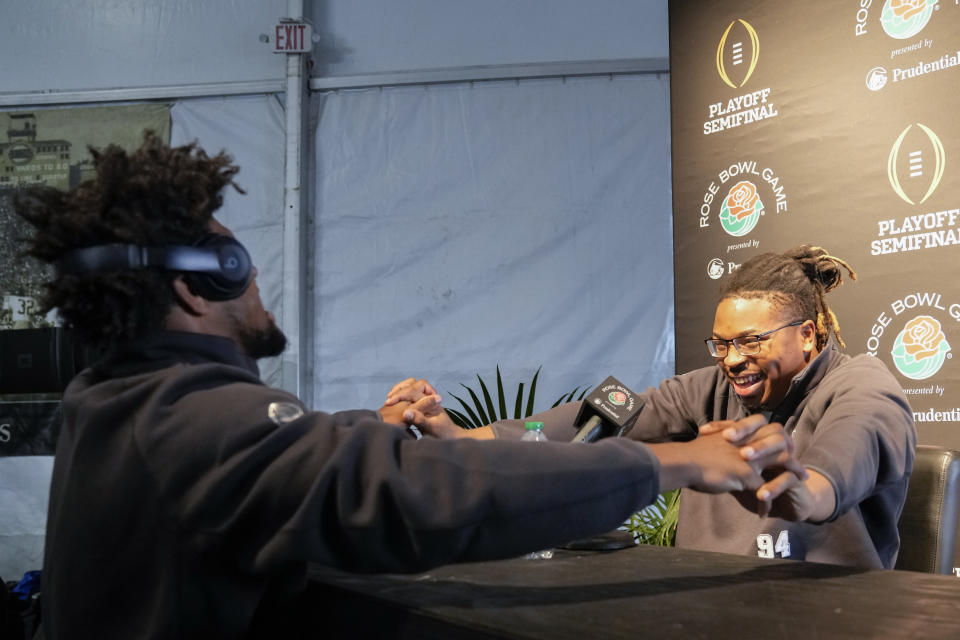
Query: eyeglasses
745,345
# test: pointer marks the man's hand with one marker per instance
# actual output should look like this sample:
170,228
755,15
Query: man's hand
709,463
790,491
416,402
730,456
409,390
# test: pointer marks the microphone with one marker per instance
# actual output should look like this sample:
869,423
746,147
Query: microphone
610,410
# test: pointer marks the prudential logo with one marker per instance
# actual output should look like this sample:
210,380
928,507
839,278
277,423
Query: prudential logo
737,53
921,348
903,19
876,78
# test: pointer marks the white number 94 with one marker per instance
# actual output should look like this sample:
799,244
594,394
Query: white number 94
767,549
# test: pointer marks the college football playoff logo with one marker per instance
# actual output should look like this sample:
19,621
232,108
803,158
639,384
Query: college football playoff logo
737,55
918,164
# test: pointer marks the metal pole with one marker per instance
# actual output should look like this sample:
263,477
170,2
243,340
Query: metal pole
292,263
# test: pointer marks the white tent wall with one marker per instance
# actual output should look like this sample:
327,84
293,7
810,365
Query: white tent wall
111,45
511,223
455,227
359,37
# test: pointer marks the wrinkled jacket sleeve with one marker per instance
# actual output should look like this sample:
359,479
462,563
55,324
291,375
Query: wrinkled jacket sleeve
347,490
867,418
675,409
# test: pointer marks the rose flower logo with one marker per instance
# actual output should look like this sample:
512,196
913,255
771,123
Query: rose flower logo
921,348
906,9
741,199
906,18
741,209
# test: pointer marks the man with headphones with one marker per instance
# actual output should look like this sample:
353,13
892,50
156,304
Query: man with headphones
188,497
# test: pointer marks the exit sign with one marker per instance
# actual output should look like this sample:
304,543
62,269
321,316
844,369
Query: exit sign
292,37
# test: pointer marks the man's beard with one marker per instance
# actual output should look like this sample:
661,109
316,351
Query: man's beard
262,343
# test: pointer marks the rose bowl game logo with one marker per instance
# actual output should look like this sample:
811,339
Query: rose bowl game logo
921,348
903,19
729,61
741,209
618,398
919,168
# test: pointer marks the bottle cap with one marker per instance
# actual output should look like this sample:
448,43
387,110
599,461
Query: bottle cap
533,426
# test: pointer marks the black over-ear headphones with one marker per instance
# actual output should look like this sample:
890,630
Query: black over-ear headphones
217,267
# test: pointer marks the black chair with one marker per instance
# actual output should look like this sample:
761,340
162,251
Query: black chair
928,524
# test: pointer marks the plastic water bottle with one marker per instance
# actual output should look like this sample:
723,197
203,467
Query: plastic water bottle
533,432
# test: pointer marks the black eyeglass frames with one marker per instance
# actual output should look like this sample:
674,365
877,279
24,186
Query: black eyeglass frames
745,345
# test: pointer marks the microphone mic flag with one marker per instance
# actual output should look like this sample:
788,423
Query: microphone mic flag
609,410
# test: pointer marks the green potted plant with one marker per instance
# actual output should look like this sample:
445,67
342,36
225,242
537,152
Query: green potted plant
655,524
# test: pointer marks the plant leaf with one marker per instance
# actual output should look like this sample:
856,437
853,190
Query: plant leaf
477,405
519,404
461,420
565,398
533,390
491,410
500,396
473,416
657,523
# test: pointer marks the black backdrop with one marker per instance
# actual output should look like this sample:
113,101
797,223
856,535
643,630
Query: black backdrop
829,123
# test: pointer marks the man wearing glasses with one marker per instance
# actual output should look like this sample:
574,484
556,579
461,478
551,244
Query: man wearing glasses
776,344
777,350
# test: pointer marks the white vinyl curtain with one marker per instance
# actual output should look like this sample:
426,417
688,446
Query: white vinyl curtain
515,223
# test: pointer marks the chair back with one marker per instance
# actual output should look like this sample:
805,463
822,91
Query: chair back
928,524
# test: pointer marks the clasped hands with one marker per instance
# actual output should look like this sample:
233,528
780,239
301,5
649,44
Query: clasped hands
416,402
749,458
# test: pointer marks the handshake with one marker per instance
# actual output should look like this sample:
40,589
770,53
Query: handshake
749,458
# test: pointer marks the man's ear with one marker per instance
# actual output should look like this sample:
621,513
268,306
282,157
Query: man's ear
189,301
808,331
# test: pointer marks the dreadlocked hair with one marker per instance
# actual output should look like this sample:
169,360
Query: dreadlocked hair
796,280
154,196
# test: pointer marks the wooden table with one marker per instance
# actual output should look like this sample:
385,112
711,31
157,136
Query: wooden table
641,592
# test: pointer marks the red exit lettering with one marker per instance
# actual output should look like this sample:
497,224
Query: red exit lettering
290,37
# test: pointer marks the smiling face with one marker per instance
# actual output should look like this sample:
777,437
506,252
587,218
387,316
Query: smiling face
763,379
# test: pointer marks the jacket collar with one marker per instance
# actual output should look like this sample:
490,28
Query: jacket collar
162,349
806,380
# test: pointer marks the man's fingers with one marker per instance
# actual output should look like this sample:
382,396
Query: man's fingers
429,405
410,390
769,492
396,388
768,440
412,416
744,428
796,467
714,427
